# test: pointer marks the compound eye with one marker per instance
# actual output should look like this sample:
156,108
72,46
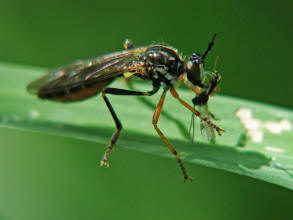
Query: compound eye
196,58
192,68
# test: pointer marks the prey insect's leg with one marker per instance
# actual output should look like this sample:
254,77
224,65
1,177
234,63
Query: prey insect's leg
212,84
118,124
202,98
171,148
197,113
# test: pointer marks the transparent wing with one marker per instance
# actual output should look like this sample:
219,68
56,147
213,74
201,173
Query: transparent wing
95,69
207,131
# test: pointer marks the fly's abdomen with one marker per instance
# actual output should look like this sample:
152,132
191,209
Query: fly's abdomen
74,93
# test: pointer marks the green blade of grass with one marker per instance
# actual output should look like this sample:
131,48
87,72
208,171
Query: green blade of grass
262,150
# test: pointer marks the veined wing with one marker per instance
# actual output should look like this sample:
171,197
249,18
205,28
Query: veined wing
96,69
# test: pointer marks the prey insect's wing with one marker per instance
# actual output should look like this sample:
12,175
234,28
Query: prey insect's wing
97,69
191,130
207,131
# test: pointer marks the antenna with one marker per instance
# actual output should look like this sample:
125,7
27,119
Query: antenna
211,44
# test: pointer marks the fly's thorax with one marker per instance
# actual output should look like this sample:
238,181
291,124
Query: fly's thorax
162,64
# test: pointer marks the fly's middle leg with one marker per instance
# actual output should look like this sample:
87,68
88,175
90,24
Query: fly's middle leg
115,136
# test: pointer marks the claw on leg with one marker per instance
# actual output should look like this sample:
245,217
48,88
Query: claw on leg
186,178
219,130
104,163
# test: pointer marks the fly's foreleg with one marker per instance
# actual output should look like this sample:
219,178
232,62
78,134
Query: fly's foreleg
197,113
115,136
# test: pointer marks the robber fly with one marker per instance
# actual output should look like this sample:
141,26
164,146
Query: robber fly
157,63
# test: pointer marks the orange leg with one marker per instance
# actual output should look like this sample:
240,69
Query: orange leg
155,120
197,113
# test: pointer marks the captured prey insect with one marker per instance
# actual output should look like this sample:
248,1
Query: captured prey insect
157,63
209,81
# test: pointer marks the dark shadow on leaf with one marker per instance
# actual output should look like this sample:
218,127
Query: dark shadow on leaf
223,157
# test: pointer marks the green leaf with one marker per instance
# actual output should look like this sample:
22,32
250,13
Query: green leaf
259,146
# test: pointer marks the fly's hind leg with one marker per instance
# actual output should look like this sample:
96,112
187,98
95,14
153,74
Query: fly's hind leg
115,136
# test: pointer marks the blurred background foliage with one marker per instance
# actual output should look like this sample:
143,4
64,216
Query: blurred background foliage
47,177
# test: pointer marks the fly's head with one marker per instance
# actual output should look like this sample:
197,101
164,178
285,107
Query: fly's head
194,69
201,81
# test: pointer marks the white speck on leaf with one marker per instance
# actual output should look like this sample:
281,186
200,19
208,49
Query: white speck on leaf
34,114
286,124
244,113
273,127
278,127
255,135
252,124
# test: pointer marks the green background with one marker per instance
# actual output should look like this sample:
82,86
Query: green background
48,177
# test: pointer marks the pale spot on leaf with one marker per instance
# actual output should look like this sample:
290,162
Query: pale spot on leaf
34,113
255,135
274,149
